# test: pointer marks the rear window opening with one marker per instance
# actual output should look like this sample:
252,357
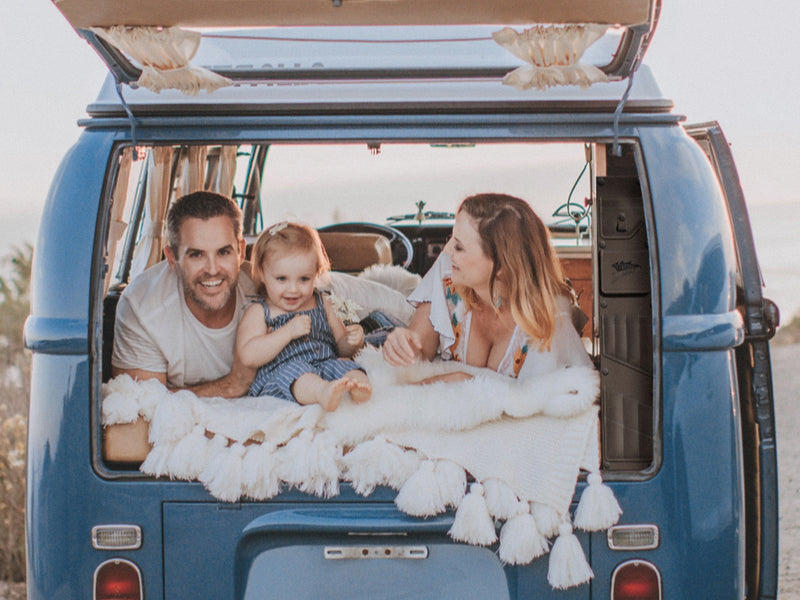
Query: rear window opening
591,199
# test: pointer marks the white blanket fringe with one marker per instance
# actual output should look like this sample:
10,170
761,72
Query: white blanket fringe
524,443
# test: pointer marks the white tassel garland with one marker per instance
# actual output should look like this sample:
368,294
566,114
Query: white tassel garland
120,400
520,539
547,519
172,419
190,455
310,464
378,462
420,495
501,500
472,523
223,475
598,508
568,566
157,461
452,481
259,479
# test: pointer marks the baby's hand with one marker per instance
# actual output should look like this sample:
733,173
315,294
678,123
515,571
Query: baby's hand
355,335
299,325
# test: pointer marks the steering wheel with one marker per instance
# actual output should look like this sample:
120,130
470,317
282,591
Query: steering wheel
402,249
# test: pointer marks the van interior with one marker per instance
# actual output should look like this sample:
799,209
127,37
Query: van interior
392,203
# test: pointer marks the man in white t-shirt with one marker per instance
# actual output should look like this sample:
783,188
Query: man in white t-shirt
177,321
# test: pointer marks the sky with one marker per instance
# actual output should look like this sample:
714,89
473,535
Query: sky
726,60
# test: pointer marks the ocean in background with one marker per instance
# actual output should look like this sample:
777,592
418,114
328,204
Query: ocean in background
777,237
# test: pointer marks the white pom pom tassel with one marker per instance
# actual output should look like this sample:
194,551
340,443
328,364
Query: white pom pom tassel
310,463
598,508
473,524
452,481
378,462
420,496
294,459
501,500
323,478
259,478
190,455
157,461
520,539
223,475
172,418
568,566
547,519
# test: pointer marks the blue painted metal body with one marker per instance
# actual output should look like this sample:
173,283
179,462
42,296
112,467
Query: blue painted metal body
694,492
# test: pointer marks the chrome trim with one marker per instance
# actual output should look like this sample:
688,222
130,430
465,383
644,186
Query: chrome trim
375,552
99,528
647,527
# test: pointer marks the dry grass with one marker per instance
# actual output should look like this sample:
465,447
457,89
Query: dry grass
14,397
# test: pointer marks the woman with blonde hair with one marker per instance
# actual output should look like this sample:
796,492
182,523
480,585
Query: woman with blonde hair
495,298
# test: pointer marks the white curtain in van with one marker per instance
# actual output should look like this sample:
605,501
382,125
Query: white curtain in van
194,170
118,225
164,54
226,169
553,53
148,250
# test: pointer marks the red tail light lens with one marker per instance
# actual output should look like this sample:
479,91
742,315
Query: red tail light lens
636,580
117,579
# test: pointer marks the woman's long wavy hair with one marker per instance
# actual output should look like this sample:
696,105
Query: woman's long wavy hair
518,243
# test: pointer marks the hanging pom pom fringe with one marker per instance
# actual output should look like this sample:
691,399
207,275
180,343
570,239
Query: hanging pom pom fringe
452,481
547,519
190,455
501,500
378,462
520,539
172,420
259,478
223,475
598,508
568,566
420,495
473,524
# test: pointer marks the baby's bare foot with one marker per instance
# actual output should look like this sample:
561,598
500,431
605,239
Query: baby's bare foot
331,394
360,388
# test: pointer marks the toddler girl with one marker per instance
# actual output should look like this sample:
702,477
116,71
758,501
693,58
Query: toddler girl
293,334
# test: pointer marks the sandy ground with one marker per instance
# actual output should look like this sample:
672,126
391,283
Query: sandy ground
786,377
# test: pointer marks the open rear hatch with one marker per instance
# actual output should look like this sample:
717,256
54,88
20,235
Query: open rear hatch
629,23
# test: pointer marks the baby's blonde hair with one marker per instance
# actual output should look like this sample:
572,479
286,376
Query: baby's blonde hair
287,238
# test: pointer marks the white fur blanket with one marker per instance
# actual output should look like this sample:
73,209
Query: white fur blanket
523,443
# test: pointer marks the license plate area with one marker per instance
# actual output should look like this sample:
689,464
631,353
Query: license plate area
376,552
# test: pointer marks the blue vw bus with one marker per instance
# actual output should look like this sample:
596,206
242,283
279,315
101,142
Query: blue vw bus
370,121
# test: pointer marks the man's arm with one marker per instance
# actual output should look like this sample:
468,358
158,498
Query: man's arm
233,385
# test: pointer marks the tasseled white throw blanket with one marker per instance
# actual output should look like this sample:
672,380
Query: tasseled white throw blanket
523,443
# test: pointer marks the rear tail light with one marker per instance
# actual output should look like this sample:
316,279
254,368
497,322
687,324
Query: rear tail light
636,580
117,579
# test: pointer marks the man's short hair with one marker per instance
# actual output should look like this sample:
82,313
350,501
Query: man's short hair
201,205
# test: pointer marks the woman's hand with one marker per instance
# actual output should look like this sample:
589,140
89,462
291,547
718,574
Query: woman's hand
446,377
403,347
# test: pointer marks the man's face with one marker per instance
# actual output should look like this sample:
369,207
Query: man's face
207,263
